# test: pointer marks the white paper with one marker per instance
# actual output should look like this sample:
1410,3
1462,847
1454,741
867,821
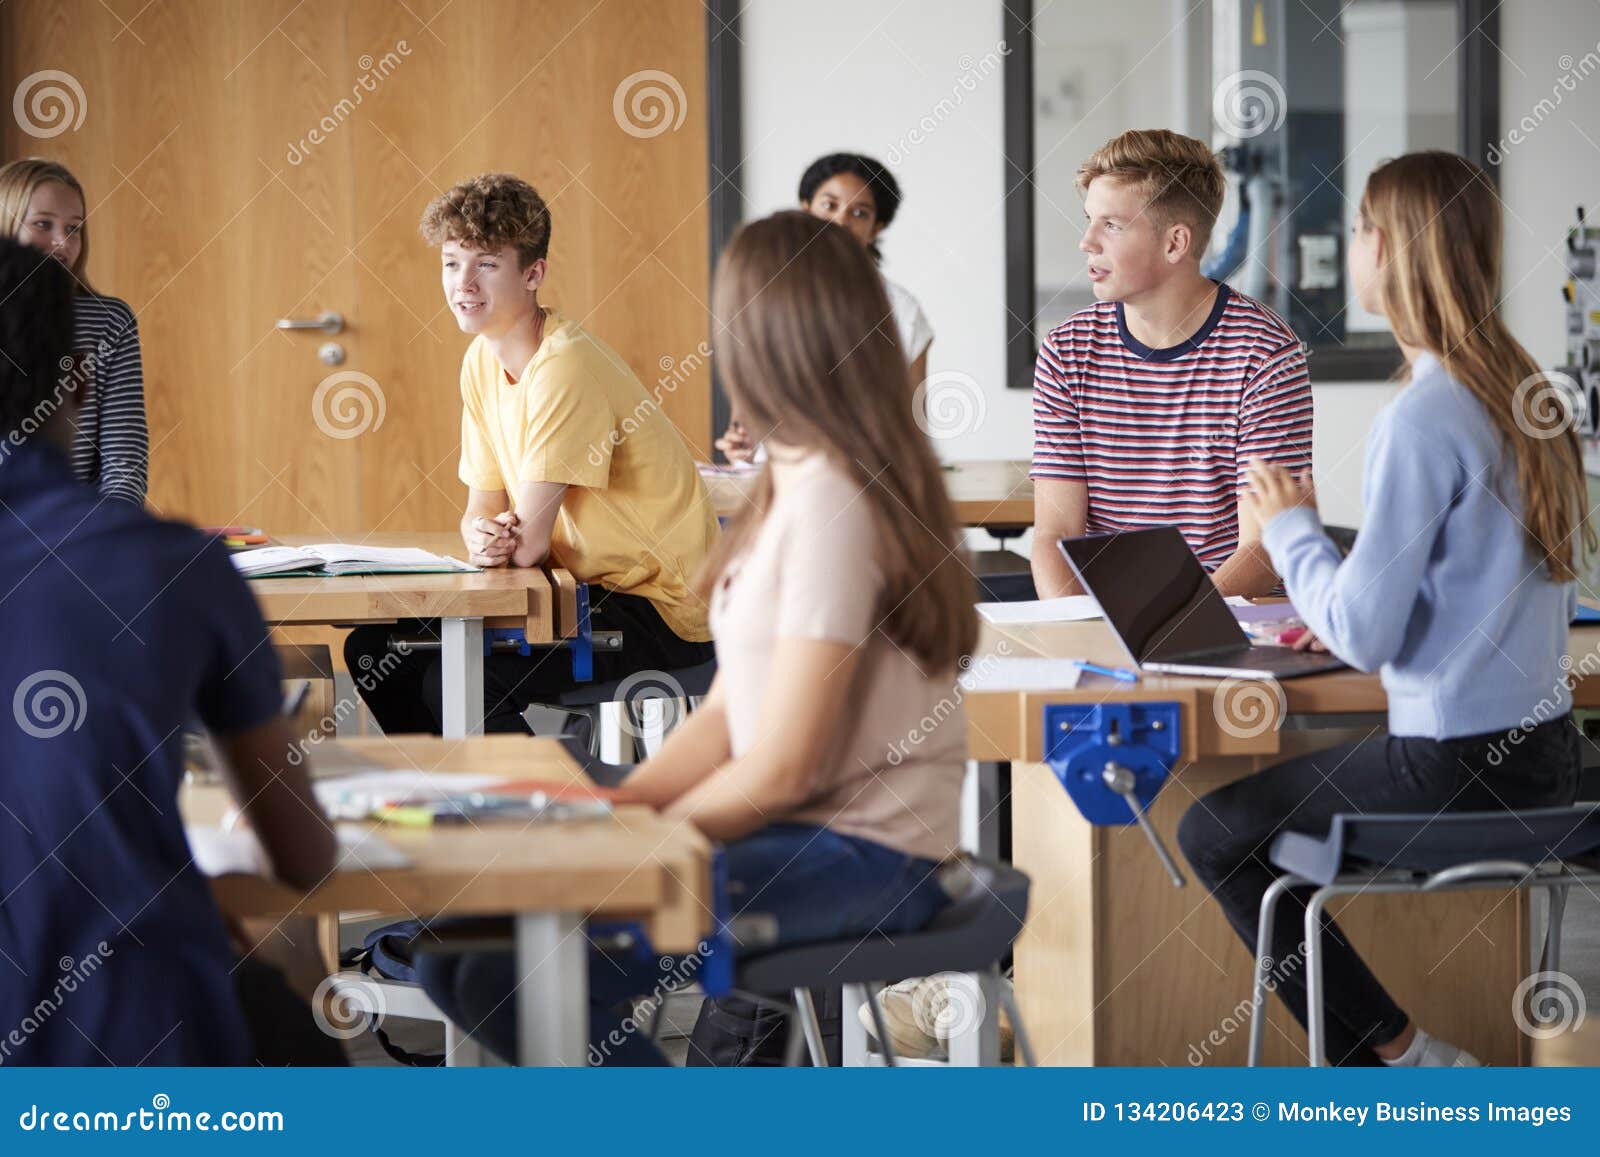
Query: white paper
995,673
352,795
1071,609
337,552
265,559
237,851
334,555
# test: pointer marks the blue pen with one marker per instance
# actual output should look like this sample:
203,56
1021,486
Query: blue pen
1110,672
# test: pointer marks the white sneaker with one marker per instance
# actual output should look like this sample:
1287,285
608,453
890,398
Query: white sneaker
920,1019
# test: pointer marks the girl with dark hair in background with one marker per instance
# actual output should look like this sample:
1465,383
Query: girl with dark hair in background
861,195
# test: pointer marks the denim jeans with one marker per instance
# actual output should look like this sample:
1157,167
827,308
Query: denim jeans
1228,835
814,883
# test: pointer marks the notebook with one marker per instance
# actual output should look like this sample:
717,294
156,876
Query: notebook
337,558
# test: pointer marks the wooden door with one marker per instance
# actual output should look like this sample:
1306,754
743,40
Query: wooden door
250,160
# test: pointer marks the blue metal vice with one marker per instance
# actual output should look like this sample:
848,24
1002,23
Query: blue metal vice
1113,758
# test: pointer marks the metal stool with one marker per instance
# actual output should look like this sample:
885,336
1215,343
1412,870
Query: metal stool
625,728
971,935
1447,852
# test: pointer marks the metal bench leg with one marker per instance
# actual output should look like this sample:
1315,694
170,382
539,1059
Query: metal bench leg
853,1048
806,1010
1264,931
610,734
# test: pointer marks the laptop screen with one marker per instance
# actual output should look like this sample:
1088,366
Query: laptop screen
1154,593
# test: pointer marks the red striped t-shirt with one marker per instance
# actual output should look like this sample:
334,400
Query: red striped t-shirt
1162,437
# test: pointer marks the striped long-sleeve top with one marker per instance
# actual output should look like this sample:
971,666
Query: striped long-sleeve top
1162,437
112,449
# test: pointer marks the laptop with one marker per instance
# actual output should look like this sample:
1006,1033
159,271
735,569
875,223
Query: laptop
1168,614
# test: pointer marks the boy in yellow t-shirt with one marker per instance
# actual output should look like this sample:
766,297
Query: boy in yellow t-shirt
567,460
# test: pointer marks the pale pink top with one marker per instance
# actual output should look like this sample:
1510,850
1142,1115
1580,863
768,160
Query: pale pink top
894,769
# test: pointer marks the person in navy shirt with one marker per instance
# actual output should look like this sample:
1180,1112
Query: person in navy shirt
118,628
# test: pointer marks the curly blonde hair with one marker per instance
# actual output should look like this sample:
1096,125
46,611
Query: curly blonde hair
1179,177
489,211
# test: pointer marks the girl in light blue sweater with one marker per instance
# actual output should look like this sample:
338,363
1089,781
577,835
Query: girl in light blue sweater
1459,588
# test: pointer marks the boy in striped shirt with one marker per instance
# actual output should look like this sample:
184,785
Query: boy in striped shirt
1148,405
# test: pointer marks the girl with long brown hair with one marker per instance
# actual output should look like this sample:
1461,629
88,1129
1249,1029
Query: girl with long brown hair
1459,588
42,205
829,754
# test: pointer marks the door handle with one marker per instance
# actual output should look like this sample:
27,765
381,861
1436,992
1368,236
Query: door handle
329,322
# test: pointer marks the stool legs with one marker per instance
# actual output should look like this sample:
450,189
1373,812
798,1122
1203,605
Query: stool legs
806,1009
1263,970
1550,960
1316,1027
1019,1030
878,1024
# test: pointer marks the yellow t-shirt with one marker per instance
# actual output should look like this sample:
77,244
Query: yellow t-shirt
636,517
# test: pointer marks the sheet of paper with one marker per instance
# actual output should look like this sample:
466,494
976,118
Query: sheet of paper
995,673
336,552
1071,609
237,851
267,559
349,795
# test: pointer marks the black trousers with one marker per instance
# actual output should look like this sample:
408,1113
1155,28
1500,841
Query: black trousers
405,693
1227,835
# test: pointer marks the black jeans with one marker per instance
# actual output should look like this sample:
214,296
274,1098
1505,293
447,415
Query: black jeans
405,693
1228,834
